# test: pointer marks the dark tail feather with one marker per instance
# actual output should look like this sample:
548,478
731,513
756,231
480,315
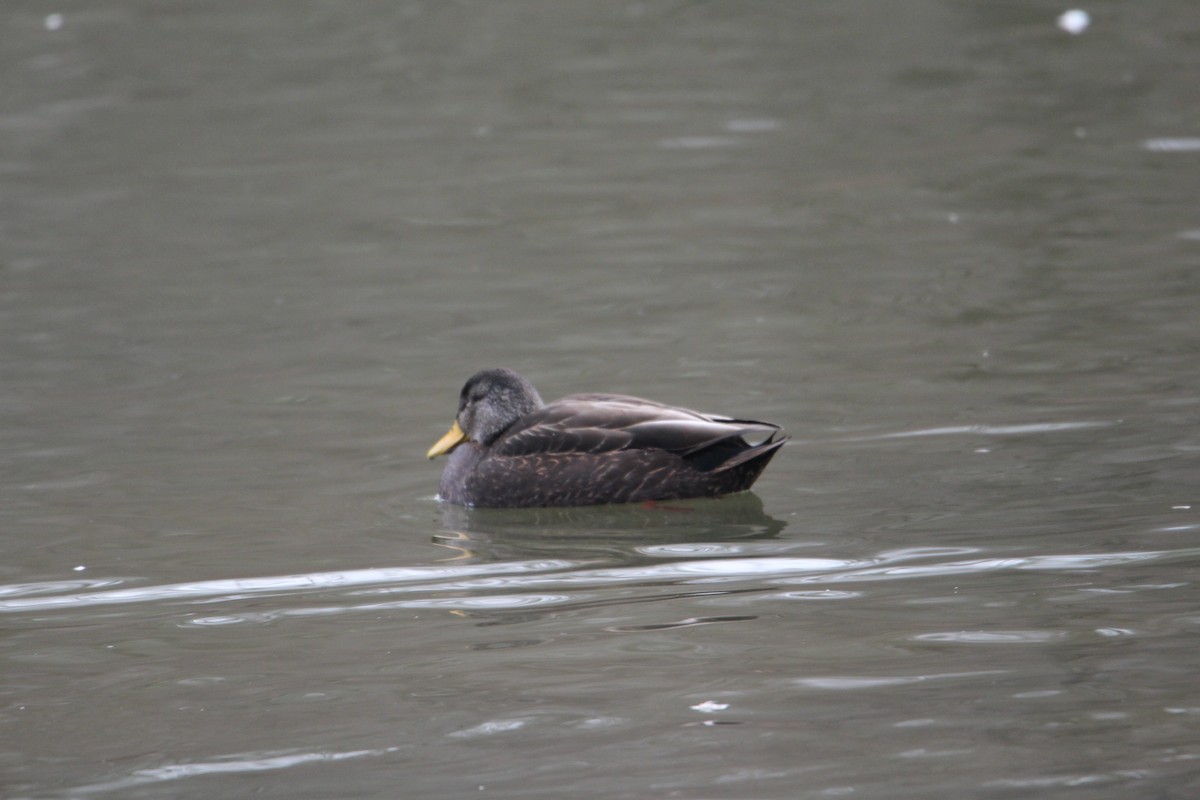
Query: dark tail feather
733,453
764,451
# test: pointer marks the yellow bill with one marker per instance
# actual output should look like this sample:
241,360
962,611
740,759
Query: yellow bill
453,438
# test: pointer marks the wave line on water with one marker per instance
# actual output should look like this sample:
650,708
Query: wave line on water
227,587
855,683
554,582
225,766
987,430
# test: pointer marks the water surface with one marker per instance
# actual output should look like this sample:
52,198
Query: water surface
250,253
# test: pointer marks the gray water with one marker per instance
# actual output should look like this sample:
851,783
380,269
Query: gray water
250,251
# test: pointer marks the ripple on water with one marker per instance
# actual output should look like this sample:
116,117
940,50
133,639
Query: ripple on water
239,763
992,637
489,602
52,587
691,549
856,682
232,619
551,582
489,728
682,623
819,594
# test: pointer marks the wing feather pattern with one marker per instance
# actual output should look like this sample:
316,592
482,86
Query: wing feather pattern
605,423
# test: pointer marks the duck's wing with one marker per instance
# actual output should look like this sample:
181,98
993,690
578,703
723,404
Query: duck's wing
602,423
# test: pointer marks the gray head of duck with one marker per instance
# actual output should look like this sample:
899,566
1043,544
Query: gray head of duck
490,401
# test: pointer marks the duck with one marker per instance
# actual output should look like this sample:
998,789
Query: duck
509,449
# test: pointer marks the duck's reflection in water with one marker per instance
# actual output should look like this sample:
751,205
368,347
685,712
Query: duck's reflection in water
613,532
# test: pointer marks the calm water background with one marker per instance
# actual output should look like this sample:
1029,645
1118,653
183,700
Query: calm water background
250,251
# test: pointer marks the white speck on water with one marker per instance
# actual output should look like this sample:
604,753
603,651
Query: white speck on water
915,723
1114,632
709,706
488,728
54,22
1075,21
80,568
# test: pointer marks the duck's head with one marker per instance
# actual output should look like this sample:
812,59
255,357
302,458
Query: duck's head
489,403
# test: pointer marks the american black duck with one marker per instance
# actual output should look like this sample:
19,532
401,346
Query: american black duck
508,449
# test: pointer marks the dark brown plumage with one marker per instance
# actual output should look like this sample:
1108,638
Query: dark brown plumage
508,449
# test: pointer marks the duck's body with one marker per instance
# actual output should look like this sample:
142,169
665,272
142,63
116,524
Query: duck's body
511,450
